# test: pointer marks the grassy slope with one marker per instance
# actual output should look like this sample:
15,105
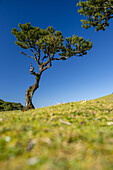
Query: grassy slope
67,136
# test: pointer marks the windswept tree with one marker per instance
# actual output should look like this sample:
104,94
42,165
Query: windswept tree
97,13
44,45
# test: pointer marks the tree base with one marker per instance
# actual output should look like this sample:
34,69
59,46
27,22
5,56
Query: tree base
28,107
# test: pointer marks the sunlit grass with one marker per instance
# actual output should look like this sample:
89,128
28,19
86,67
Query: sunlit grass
67,136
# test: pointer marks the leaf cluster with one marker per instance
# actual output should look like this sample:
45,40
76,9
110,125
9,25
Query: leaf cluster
97,13
47,40
77,46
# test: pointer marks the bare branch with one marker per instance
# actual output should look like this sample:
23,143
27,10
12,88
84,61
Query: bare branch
46,67
49,61
26,55
43,58
32,71
33,53
31,49
37,51
61,58
38,54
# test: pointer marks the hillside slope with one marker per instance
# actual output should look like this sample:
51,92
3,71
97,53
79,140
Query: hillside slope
6,106
71,136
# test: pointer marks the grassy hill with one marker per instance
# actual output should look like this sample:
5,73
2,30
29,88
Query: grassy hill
6,106
71,136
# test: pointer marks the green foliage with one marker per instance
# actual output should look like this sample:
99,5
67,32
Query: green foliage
98,13
5,106
49,42
77,135
80,46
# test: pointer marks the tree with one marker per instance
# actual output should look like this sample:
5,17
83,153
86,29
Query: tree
98,13
43,45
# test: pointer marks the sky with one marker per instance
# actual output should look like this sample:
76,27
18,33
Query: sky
78,78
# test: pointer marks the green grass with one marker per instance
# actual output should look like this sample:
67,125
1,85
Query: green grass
71,136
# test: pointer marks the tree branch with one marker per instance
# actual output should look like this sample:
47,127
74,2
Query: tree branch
46,67
43,59
32,71
33,53
49,61
37,51
31,49
38,54
100,7
26,55
46,63
77,53
61,58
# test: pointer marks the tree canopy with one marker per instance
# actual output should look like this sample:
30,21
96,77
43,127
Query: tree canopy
97,13
44,44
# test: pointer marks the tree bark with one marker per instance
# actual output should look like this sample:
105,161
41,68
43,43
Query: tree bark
29,94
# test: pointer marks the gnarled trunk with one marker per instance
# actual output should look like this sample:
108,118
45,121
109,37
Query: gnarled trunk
29,94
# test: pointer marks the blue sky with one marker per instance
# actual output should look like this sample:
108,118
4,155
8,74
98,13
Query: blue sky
75,79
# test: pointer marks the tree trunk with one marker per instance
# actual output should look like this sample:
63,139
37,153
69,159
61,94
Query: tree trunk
29,94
